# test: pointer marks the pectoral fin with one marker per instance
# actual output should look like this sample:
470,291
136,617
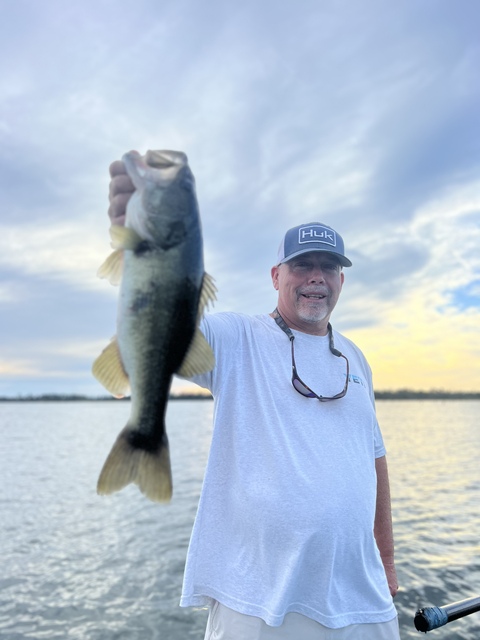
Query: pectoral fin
112,268
108,370
122,238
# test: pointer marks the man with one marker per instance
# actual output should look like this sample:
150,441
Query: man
293,534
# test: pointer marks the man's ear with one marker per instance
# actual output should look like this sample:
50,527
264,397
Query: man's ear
274,273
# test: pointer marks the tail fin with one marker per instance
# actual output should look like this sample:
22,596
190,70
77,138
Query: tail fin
150,470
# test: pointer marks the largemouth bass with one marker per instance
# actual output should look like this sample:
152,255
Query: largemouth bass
158,257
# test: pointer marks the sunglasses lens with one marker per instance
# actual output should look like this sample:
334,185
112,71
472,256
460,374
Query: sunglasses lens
301,388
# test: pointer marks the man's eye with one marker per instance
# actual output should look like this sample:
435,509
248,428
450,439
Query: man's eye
304,265
329,266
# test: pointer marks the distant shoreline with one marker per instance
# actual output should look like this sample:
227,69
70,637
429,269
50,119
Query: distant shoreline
401,394
68,397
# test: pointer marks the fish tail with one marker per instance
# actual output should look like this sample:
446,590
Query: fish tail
129,461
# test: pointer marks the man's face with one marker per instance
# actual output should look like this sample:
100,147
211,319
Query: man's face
308,289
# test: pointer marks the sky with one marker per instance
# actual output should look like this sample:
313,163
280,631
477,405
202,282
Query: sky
364,116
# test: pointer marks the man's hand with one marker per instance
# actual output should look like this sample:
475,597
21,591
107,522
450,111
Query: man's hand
121,188
391,574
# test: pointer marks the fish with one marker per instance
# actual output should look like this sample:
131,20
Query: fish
164,291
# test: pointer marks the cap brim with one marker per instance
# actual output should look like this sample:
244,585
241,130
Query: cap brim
345,262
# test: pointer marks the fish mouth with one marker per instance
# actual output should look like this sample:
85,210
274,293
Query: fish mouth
166,159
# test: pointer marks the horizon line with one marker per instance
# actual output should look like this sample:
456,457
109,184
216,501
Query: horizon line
398,394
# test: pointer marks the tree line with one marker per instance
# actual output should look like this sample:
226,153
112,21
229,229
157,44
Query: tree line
400,394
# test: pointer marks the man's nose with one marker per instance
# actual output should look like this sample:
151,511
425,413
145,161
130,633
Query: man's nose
316,275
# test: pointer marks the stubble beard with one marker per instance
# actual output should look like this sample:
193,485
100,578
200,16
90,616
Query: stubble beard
315,314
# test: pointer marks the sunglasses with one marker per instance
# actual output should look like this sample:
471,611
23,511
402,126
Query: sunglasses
297,382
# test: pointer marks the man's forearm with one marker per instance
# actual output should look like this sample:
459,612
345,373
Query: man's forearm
383,529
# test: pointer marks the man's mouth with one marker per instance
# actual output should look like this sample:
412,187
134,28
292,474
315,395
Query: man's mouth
314,296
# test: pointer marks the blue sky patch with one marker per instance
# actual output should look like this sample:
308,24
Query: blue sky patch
466,297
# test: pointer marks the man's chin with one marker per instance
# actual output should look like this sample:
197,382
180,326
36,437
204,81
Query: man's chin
312,317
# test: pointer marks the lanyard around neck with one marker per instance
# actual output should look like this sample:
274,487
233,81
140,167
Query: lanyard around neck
286,329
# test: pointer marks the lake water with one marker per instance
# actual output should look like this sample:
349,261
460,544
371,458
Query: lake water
78,566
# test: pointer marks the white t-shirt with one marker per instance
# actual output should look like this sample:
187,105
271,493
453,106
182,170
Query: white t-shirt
285,519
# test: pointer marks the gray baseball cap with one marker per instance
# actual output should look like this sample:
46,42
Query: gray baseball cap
313,236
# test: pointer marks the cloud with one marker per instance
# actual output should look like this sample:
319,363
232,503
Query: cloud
67,251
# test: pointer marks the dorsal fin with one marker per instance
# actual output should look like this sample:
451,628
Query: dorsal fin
208,295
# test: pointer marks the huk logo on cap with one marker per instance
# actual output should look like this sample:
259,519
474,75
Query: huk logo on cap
317,233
